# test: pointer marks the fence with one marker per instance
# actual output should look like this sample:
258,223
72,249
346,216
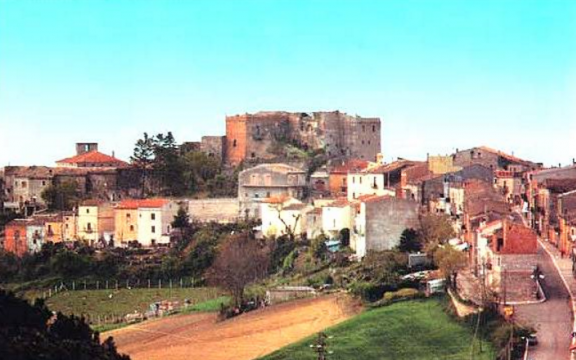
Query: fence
165,307
73,285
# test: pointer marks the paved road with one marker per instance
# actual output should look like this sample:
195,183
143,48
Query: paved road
552,318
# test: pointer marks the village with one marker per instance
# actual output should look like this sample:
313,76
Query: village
315,177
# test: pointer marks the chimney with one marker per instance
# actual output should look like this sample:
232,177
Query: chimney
573,161
113,153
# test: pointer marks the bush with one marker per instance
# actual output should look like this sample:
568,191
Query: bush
402,294
368,291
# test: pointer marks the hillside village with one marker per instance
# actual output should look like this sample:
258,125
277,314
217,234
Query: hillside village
306,177
498,203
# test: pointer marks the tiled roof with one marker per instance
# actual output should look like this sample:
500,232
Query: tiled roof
93,157
350,165
141,203
29,171
386,168
504,155
340,202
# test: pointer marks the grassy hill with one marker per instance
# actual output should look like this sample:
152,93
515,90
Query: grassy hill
408,330
123,301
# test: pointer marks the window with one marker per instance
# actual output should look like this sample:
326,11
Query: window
153,216
253,155
360,179
334,223
89,226
362,142
153,229
373,128
87,211
43,183
234,143
131,227
128,215
363,128
67,226
268,194
353,180
23,184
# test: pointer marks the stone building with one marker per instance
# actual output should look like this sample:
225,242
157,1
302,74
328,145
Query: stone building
384,179
213,146
492,159
380,222
24,184
221,210
507,258
265,181
88,156
253,136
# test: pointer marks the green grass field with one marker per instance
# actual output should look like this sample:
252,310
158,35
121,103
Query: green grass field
123,301
409,330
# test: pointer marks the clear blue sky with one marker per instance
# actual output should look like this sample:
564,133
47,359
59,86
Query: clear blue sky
441,74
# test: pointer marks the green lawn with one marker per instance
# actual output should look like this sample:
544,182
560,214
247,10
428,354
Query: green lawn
409,330
124,301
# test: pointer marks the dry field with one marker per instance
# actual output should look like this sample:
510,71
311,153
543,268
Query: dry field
199,336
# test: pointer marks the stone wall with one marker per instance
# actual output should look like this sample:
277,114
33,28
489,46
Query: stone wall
252,136
225,210
213,146
386,219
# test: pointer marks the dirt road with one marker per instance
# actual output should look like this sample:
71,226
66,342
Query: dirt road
199,336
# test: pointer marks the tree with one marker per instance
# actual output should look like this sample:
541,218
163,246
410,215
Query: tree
143,158
27,333
241,261
449,261
434,230
318,248
410,241
345,237
62,196
181,220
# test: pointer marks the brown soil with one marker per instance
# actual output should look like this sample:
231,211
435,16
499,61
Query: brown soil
255,334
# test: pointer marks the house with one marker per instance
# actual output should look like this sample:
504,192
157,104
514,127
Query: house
338,175
265,181
507,259
337,216
435,188
126,221
377,180
380,222
493,159
314,223
88,156
24,185
155,217
95,222
54,231
319,182
283,215
15,237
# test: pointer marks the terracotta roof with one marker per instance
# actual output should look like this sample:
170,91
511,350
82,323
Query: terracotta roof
93,157
504,155
375,198
141,203
276,199
386,168
350,165
340,202
29,171
294,207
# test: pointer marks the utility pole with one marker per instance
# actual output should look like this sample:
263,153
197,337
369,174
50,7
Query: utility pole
320,347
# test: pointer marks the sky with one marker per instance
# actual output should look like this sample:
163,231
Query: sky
442,75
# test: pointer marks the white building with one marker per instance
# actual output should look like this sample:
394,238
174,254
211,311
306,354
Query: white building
155,221
280,215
